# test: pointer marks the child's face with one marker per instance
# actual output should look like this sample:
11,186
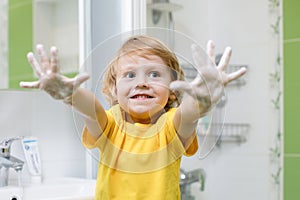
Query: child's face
143,87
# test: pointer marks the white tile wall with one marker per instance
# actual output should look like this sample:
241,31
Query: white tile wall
237,171
36,114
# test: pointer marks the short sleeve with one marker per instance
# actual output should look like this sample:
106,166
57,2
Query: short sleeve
88,140
193,147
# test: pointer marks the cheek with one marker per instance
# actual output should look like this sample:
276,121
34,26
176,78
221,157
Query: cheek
164,94
122,89
124,84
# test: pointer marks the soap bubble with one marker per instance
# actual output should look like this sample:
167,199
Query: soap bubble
209,128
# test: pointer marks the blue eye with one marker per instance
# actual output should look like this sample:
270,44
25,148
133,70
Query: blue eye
154,74
130,75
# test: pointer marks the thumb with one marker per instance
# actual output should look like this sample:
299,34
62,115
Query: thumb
34,84
181,86
80,78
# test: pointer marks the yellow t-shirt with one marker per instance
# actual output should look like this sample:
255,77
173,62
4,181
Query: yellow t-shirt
138,161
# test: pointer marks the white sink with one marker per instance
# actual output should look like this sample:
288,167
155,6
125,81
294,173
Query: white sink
10,193
52,189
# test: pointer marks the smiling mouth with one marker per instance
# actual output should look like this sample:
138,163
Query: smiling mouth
141,96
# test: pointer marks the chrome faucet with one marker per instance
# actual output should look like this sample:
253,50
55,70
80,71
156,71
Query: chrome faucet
187,178
8,161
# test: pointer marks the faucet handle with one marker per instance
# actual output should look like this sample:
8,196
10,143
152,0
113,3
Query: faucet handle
6,144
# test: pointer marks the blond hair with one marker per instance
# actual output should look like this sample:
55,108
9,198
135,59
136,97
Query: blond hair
143,46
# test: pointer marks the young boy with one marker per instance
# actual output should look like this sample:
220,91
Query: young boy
152,119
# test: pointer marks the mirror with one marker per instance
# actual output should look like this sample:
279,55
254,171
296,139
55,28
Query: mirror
52,26
27,23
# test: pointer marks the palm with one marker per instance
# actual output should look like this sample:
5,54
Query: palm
49,77
207,88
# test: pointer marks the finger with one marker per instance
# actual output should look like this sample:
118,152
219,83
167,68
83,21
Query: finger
34,84
34,64
54,59
42,54
236,74
181,86
198,80
196,54
210,50
225,59
79,79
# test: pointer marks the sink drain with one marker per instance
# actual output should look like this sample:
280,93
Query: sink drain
14,197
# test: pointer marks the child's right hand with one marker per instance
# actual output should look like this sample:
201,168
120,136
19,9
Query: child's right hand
49,77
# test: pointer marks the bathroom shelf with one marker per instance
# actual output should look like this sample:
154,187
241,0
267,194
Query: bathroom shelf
230,132
164,7
240,81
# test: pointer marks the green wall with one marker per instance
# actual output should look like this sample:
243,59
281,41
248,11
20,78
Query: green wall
19,41
291,54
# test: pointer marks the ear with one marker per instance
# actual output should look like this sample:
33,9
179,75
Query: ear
172,96
113,94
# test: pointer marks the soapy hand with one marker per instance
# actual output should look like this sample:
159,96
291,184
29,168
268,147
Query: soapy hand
208,87
49,77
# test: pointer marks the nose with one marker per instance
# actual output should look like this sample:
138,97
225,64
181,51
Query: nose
142,82
142,85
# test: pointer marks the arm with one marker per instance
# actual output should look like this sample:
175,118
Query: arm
204,91
67,89
86,103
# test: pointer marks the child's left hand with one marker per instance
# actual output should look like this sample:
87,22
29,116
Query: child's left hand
207,88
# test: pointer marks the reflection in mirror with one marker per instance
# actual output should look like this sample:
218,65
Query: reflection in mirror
19,41
40,22
52,26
